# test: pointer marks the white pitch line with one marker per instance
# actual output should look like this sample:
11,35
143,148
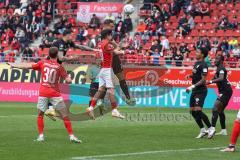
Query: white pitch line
17,116
143,153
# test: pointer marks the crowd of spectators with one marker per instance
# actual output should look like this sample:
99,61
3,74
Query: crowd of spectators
21,22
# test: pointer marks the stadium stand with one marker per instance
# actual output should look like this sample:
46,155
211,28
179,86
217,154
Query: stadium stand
176,27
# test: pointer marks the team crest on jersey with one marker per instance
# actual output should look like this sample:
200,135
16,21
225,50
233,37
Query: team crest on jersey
197,100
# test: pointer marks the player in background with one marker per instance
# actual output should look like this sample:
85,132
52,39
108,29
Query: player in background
51,72
117,66
93,73
199,91
106,75
225,93
65,43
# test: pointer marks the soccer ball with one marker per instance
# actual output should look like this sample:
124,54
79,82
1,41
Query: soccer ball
128,9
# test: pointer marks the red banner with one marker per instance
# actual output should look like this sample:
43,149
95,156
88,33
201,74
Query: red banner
85,10
152,76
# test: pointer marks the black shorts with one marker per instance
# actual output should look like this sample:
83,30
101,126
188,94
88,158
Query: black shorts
225,97
93,89
197,98
116,64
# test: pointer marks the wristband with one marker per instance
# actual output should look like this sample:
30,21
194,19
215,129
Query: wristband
210,82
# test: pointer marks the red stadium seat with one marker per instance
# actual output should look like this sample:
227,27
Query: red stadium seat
211,33
191,47
188,40
237,6
213,6
169,32
230,7
202,33
179,40
198,19
171,39
214,19
206,19
209,26
225,12
221,7
194,33
220,33
199,26
173,19
192,55
229,33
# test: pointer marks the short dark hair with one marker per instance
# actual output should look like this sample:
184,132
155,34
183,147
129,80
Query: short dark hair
204,51
53,52
105,33
108,21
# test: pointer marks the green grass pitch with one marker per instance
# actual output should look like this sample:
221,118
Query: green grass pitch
132,139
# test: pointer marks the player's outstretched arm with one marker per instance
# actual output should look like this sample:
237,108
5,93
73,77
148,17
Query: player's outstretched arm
221,78
82,47
118,52
21,65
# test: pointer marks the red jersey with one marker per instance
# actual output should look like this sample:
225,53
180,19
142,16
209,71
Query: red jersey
51,72
107,51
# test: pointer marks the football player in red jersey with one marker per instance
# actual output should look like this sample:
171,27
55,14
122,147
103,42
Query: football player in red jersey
49,91
106,75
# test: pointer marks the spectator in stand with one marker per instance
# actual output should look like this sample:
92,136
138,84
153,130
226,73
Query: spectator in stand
183,26
82,34
164,15
183,49
155,57
94,22
128,23
203,43
234,23
156,47
49,8
215,45
2,55
137,42
223,22
72,21
178,58
110,16
202,8
191,22
161,30
35,29
145,37
165,45
15,46
118,18
232,43
93,42
191,9
174,8
42,21
27,54
20,35
232,61
141,27
119,31
224,47
7,35
236,52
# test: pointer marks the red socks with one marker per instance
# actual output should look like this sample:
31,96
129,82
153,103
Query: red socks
40,124
93,103
114,105
235,132
68,125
